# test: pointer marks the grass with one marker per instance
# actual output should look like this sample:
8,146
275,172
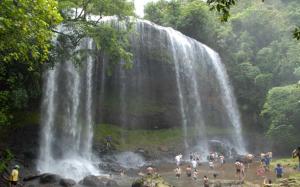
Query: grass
285,162
125,139
288,164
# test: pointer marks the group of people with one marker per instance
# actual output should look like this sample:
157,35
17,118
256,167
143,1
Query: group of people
191,170
191,173
240,165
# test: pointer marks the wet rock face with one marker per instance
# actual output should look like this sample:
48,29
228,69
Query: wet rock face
94,181
67,182
146,96
49,178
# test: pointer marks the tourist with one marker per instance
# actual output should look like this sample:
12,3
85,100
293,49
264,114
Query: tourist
222,161
189,171
198,159
150,171
108,140
270,154
191,156
206,181
14,176
267,162
194,164
279,171
296,153
238,169
195,174
242,171
262,158
178,159
267,183
249,159
178,172
210,157
216,156
211,164
260,171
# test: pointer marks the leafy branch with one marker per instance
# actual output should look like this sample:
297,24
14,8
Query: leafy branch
223,8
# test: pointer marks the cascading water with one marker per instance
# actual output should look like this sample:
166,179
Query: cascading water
228,100
67,118
193,63
175,81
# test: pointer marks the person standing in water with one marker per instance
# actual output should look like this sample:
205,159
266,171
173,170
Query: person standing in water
195,174
178,172
14,176
222,159
194,163
178,159
238,169
189,171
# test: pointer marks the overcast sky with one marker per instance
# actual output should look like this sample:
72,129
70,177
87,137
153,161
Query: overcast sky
139,6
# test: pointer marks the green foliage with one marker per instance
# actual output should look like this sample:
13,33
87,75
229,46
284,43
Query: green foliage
281,111
192,18
109,36
223,7
25,31
146,138
25,35
5,157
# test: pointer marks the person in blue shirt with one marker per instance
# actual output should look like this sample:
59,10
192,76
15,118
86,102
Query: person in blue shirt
279,171
267,163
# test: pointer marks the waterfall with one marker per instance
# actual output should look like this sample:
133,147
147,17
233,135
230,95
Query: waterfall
67,119
176,82
193,64
228,100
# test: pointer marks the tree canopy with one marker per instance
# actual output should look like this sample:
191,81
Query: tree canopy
25,35
26,32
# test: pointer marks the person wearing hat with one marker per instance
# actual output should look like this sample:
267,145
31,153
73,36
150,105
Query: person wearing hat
14,176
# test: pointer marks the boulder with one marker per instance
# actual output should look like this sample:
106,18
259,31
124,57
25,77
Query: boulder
31,177
92,181
111,183
67,182
149,180
110,167
49,178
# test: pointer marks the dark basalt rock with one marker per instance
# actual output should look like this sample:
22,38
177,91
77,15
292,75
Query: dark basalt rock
67,182
31,177
94,181
49,178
